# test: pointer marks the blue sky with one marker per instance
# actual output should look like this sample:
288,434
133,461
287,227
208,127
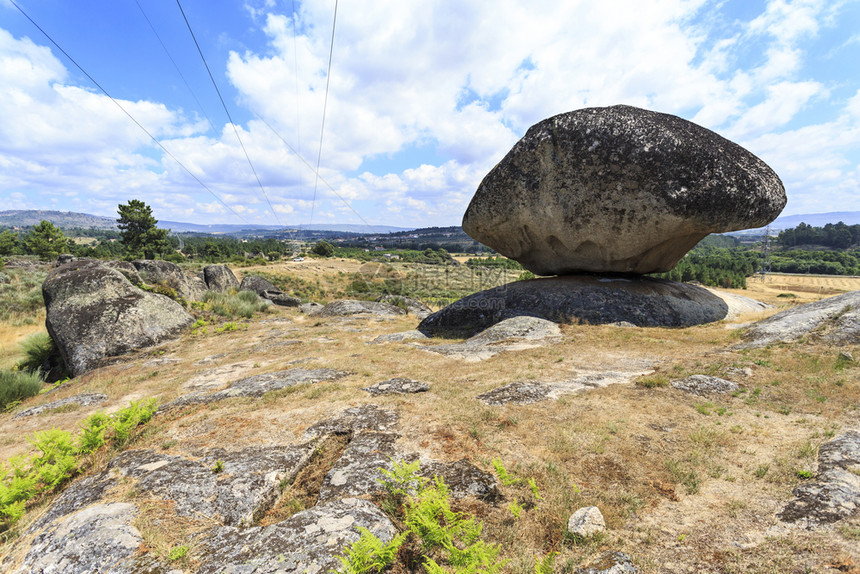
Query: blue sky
424,98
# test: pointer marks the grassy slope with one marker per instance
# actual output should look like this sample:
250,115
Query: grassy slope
680,479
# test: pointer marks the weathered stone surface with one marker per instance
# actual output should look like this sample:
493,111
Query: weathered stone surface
247,485
464,479
610,563
514,334
356,472
219,278
397,386
355,420
97,539
267,290
519,392
311,308
258,385
824,317
170,274
643,301
413,335
307,542
281,298
94,312
83,399
586,522
704,385
618,189
353,307
412,306
835,494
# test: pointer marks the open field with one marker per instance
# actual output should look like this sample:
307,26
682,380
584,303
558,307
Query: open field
686,483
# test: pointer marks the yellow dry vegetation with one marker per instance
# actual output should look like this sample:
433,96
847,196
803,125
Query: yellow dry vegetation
686,483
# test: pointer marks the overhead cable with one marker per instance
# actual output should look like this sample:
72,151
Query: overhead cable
325,105
229,117
105,92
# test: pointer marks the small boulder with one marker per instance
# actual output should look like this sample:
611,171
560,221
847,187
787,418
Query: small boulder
219,278
586,522
94,312
514,334
413,335
619,190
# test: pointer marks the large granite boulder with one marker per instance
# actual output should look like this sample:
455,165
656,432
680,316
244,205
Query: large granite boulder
171,275
620,190
94,312
219,278
641,301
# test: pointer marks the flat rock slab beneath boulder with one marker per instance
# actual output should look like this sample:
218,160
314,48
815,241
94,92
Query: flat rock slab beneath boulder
703,385
353,307
835,494
397,386
258,385
835,319
355,420
642,301
527,392
514,334
307,542
83,399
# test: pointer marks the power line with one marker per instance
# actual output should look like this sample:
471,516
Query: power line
311,167
152,137
229,117
178,71
325,105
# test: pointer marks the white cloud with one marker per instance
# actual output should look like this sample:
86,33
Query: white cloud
457,78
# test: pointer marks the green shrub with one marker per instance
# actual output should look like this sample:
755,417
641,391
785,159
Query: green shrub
37,349
61,456
231,305
18,385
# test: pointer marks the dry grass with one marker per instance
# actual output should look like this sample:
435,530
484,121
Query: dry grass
681,479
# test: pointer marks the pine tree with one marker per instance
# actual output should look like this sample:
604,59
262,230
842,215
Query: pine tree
46,241
138,232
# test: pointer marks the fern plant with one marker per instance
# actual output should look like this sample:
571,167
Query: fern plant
370,554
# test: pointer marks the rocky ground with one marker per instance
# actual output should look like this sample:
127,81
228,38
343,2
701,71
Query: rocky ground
725,473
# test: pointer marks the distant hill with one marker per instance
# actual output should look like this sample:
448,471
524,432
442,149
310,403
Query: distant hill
68,219
817,219
62,219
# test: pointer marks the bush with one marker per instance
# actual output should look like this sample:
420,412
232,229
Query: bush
230,305
18,385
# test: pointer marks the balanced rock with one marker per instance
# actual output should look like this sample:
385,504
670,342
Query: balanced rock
619,190
94,312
